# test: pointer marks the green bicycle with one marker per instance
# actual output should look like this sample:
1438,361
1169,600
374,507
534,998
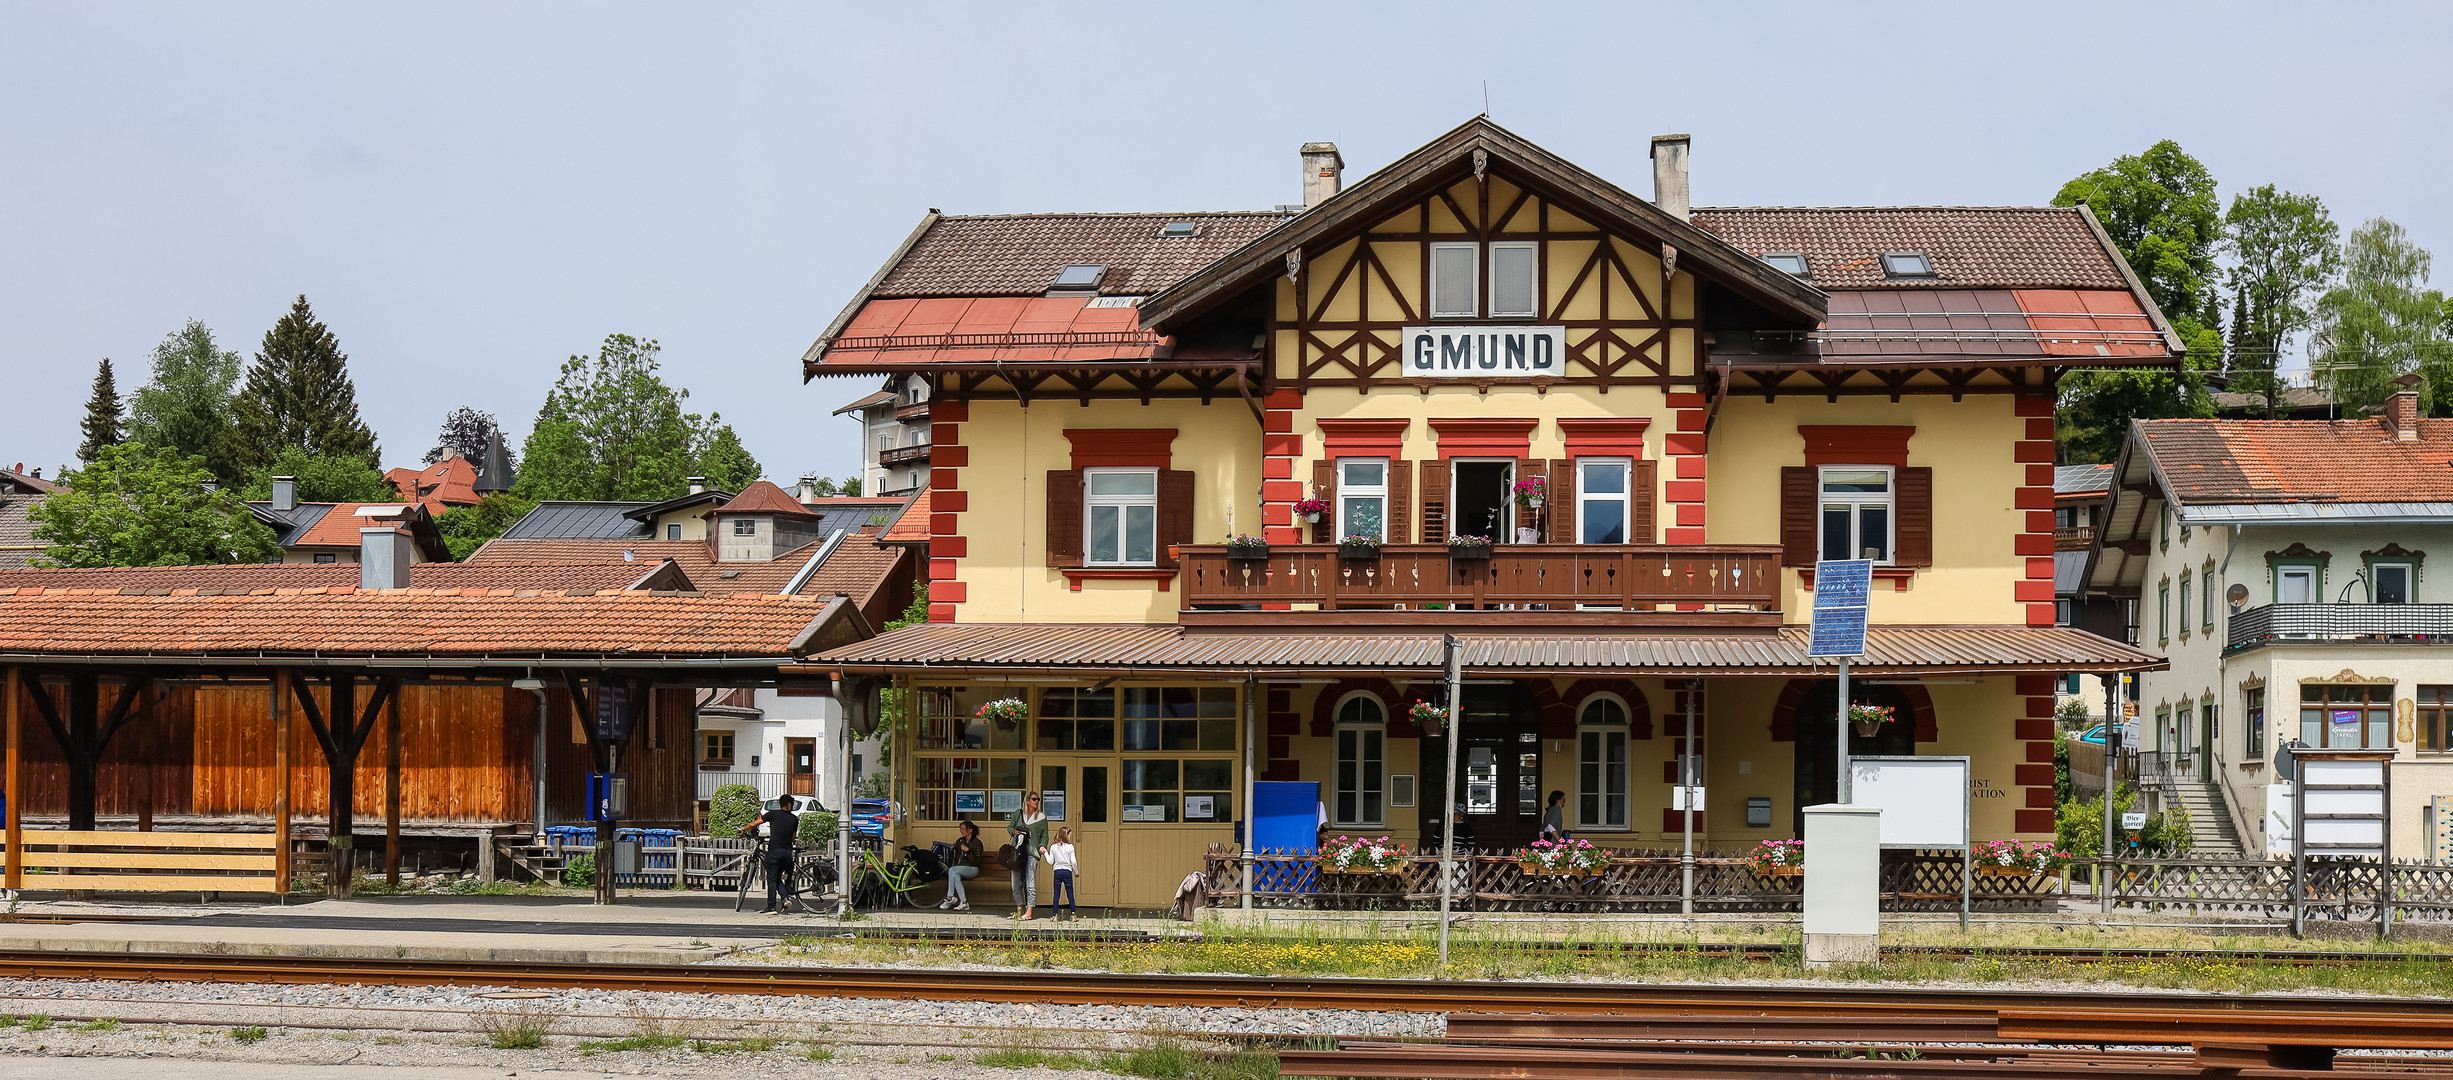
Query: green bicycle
877,883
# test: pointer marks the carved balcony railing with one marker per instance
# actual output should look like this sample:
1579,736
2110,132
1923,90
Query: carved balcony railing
2073,537
911,410
903,455
2430,624
1555,577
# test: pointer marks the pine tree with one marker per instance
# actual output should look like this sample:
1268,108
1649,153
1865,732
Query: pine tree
299,395
103,422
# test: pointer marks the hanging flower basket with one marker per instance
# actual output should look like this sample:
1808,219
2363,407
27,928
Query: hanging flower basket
1428,716
1358,547
1469,547
1247,547
1311,509
1869,720
1004,712
1530,492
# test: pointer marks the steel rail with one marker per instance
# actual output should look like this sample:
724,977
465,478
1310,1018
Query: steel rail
1226,991
1514,1063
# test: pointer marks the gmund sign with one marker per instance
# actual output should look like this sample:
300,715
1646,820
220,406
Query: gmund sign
1481,352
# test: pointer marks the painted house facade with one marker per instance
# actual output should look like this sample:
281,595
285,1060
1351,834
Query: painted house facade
1600,438
2282,565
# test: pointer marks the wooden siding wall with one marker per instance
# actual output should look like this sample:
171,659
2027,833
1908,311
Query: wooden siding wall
465,754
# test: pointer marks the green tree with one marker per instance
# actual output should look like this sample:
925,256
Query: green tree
104,419
465,432
2160,210
299,395
611,428
849,485
2286,247
336,478
722,459
137,505
185,408
466,528
2379,323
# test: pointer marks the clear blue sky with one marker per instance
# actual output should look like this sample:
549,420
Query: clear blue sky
470,192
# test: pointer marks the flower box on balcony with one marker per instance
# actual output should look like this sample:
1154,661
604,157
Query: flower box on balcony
1358,549
1247,547
1469,548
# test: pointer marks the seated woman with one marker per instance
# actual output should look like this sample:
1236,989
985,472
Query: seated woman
962,867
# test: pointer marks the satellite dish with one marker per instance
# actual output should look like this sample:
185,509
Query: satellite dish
2237,595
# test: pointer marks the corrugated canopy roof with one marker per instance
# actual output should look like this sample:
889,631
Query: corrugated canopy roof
1002,647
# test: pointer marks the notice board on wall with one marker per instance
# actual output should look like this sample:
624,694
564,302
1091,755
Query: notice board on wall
1924,800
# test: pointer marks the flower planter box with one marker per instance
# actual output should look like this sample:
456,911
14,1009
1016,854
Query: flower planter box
1358,551
1783,871
1531,870
1983,870
1248,552
1361,871
1469,552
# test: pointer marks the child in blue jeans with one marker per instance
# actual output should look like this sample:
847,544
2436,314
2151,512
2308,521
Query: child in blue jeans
1061,859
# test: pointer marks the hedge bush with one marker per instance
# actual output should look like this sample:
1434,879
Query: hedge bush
731,807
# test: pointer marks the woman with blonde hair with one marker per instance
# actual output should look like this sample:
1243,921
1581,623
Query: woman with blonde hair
1028,829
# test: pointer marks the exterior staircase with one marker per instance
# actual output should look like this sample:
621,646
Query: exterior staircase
2212,833
541,862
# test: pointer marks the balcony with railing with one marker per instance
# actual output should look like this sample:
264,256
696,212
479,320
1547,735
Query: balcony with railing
911,410
769,784
2279,624
1704,584
2073,537
903,455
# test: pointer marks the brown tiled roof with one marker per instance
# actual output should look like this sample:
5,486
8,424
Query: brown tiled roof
955,647
913,526
417,622
879,398
248,577
854,556
762,497
2002,247
1020,254
23,483
2216,462
338,528
858,568
445,484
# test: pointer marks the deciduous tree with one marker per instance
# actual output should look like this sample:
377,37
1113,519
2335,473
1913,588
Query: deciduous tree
139,505
104,415
2160,210
2380,323
322,478
466,528
611,428
2285,248
465,432
299,394
185,407
722,459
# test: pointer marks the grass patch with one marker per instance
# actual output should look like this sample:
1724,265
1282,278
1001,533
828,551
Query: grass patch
516,1025
819,1052
733,1046
249,1035
1034,1058
97,1025
634,1042
36,1022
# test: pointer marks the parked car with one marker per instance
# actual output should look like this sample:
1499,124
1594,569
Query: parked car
869,816
2129,735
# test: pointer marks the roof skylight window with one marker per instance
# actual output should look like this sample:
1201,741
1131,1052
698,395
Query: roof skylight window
1906,264
1787,262
1179,229
1079,277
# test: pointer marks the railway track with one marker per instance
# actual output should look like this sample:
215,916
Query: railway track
1255,992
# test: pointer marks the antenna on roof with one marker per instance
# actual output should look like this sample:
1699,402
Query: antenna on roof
1486,99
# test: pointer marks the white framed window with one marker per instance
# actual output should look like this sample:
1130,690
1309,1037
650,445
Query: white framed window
745,526
2295,583
1362,497
1120,517
1601,501
1454,272
672,530
1362,761
2389,583
2184,605
1601,763
2207,588
2163,612
1515,280
885,441
1857,512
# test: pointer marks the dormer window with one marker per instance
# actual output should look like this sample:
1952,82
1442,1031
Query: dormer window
745,526
1787,262
1079,277
1178,230
1906,264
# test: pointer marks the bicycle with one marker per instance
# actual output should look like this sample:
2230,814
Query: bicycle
878,883
808,866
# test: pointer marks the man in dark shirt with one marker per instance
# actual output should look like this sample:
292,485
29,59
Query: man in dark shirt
783,827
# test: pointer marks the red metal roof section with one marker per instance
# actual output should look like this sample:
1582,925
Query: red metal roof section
990,330
763,497
1987,322
586,576
2090,322
438,487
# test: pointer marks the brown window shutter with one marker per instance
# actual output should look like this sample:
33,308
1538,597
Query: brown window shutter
1400,502
1915,518
1526,515
1797,517
1174,512
1064,517
1434,502
1563,500
1642,503
1324,488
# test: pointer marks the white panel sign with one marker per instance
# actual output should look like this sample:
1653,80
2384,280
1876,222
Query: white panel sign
2278,818
1485,352
1686,798
2319,771
1924,800
2345,802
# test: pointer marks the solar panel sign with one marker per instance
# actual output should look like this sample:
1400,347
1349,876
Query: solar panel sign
1842,588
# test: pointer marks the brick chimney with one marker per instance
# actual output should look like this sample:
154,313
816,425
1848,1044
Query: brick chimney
1669,174
2402,416
1323,171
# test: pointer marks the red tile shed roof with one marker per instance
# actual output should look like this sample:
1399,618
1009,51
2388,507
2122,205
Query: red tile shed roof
2217,462
913,526
445,484
588,576
990,330
762,497
401,622
2002,247
338,528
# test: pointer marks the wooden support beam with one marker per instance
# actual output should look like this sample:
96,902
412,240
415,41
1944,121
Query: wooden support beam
281,783
391,790
15,781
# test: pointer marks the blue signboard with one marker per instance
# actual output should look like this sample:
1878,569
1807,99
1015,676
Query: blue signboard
1841,591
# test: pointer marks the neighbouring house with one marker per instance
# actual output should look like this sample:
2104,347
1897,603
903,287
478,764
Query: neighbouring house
2282,565
893,436
19,491
322,532
764,541
2298,403
1602,439
2078,497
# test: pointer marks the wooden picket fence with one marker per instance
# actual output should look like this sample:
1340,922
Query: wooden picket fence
147,861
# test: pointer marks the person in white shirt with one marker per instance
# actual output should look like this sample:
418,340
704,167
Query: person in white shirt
1061,860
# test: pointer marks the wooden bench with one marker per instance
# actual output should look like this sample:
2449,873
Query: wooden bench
147,861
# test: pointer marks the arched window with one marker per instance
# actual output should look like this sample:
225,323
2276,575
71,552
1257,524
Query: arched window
1362,761
1601,763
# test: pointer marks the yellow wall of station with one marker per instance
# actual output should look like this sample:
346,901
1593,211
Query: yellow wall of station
1012,449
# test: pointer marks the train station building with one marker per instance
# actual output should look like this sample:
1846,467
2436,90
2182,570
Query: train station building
1207,490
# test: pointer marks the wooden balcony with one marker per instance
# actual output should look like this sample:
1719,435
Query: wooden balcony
903,455
1718,584
914,410
2073,537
